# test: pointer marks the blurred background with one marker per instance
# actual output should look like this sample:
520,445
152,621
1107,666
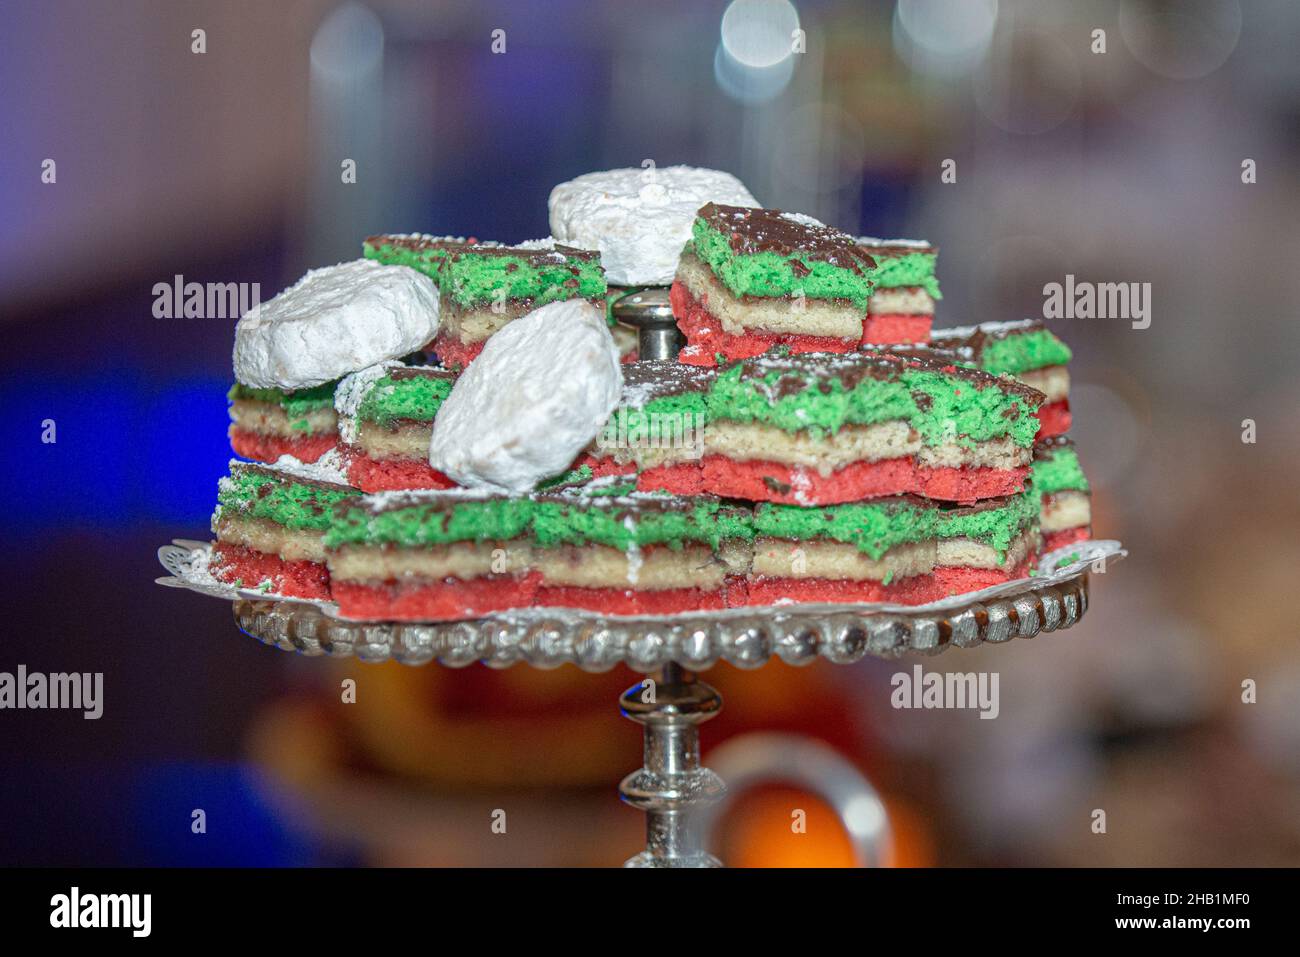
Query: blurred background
224,166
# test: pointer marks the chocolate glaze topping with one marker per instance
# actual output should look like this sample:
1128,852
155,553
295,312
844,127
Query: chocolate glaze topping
654,379
288,478
1045,448
969,342
530,255
798,372
751,229
418,242
421,372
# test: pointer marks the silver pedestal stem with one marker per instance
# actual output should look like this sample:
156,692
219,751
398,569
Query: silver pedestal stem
672,788
650,314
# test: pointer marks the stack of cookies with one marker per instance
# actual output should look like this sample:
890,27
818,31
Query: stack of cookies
447,428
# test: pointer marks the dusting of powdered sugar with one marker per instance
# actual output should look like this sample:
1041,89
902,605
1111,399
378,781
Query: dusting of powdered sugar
634,558
328,468
803,219
351,392
334,321
639,219
534,398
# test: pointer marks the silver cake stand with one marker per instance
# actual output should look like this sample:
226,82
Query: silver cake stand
674,790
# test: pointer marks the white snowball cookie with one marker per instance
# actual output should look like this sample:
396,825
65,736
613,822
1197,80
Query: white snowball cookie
334,321
536,396
639,219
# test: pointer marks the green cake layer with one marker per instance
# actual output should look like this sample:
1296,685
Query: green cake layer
1057,469
1004,347
547,520
410,397
821,394
421,253
258,492
899,267
476,275
760,252
873,528
1037,349
297,405
624,522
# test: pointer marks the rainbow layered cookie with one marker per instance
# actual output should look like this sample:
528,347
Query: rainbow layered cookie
901,307
485,287
1025,349
905,550
821,429
752,278
270,526
656,435
431,555
420,251
638,553
461,553
268,423
1066,500
385,423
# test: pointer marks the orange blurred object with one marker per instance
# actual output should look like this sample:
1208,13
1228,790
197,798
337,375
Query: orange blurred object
760,832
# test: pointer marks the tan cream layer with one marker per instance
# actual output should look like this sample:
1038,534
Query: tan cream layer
781,558
756,442
409,440
588,566
968,553
468,326
807,317
293,545
1053,382
900,301
268,418
1063,510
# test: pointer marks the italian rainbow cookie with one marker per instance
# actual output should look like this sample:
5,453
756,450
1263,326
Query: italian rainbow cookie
484,288
1063,488
386,416
268,423
751,279
906,550
1026,349
901,307
823,429
270,527
465,553
291,351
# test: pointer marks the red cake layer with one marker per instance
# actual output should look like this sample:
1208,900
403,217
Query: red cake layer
629,601
774,482
385,475
446,600
453,353
680,478
1054,418
261,447
1066,536
941,583
303,579
603,466
951,580
895,330
705,337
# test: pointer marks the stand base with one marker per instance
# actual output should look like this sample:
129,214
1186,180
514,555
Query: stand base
672,787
